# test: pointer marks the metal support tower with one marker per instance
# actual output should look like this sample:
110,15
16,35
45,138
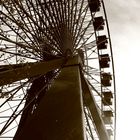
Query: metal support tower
59,114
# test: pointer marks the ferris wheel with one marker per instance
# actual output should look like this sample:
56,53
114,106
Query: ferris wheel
57,77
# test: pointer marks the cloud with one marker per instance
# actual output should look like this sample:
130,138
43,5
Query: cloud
123,12
124,21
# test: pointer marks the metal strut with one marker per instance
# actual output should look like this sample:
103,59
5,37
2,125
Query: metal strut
12,73
92,106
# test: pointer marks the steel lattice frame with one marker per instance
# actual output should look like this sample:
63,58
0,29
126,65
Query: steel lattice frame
38,39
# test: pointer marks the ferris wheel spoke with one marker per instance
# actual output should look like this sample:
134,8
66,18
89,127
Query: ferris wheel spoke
18,54
85,44
88,125
53,22
40,19
75,9
88,46
6,59
98,93
54,33
30,17
17,22
11,129
77,28
93,51
57,11
34,28
21,45
12,92
10,107
12,19
12,117
72,15
62,10
68,14
57,6
15,31
64,5
68,9
26,25
35,13
82,34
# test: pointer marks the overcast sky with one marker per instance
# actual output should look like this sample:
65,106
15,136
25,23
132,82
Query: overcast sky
124,21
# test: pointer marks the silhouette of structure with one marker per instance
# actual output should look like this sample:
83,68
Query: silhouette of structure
56,71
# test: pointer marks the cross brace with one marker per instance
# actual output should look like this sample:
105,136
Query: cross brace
12,73
16,72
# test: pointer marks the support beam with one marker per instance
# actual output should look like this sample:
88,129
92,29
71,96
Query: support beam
12,73
59,116
96,115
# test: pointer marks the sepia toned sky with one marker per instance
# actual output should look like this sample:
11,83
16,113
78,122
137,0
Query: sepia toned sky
124,22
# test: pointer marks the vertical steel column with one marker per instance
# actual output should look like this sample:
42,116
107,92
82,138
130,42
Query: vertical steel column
59,116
